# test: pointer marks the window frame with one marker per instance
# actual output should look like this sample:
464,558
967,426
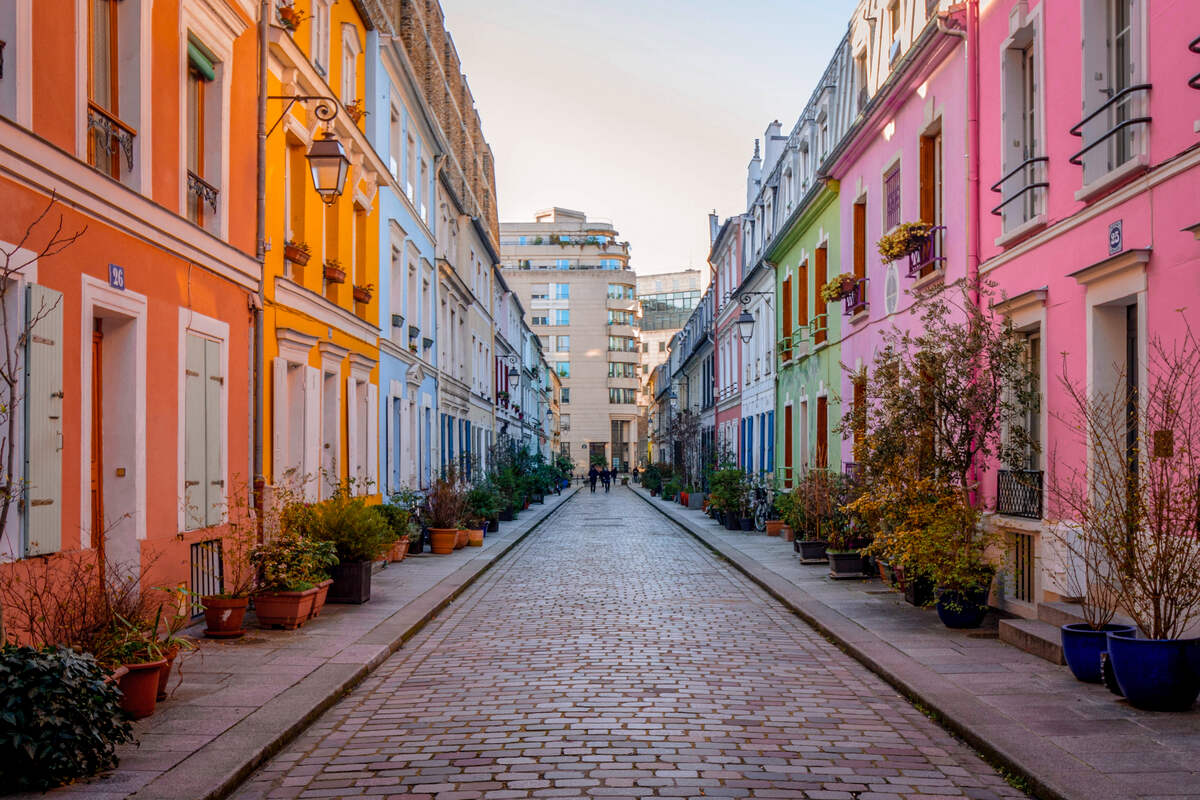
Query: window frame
210,329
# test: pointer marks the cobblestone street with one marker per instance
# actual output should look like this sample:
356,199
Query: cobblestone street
610,655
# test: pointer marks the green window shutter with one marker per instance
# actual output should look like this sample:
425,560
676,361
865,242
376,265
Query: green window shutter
213,435
201,62
43,420
195,499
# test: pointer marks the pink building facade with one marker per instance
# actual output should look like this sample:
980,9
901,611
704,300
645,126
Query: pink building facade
726,259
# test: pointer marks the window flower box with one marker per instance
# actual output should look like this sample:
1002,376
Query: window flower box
297,252
334,272
839,288
362,294
906,239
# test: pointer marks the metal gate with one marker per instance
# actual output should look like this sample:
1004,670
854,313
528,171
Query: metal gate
208,572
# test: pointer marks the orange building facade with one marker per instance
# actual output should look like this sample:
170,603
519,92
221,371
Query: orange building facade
133,404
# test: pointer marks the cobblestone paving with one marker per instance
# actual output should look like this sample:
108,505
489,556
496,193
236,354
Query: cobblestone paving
611,656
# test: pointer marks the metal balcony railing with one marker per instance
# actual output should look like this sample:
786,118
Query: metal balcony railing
1194,46
929,254
1019,493
1113,104
107,135
856,301
818,328
1028,171
200,192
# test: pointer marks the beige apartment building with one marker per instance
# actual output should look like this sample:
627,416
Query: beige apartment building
572,276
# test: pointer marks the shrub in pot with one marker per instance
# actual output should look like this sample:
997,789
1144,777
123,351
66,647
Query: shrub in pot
398,518
482,503
60,719
134,645
359,535
444,508
652,479
291,567
845,561
225,611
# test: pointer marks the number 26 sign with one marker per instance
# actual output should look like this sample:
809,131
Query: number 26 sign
116,277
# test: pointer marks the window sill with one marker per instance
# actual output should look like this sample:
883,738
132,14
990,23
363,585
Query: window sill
925,281
1111,180
1022,231
860,316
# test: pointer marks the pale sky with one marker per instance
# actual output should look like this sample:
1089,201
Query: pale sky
639,112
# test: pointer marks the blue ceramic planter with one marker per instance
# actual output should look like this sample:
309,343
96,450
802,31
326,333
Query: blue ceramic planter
1082,645
1156,674
962,609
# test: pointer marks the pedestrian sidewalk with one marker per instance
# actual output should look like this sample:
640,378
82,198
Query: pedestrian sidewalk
1067,739
242,700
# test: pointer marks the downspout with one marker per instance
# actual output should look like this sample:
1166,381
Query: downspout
973,200
260,254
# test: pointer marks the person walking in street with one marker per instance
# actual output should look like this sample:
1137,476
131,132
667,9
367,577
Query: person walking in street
593,473
635,474
606,476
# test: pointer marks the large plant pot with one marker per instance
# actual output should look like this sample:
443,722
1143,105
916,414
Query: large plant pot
223,616
139,688
774,527
460,539
1156,674
845,565
918,590
398,550
746,523
493,525
321,598
962,609
683,498
441,540
789,535
507,514
696,501
475,538
351,582
812,551
165,673
287,610
417,545
730,521
668,496
1082,645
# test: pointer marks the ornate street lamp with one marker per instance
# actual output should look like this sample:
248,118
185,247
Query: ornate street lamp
745,323
328,162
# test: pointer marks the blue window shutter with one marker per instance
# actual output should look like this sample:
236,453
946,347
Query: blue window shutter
771,440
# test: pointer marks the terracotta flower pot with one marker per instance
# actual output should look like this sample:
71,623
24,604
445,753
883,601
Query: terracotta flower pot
335,274
442,540
789,535
139,687
287,610
361,294
460,539
165,674
322,595
398,550
224,616
774,527
296,255
475,538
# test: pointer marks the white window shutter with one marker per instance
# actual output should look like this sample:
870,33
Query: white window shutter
312,432
279,422
195,504
353,457
404,432
43,420
372,438
214,438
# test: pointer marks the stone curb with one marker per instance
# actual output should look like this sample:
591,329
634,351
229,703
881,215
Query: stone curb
1049,771
220,767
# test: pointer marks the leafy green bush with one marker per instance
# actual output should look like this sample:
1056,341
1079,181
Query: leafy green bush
357,532
727,491
670,488
59,720
292,563
652,478
398,518
482,503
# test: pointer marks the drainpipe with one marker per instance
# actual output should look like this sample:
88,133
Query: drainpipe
260,254
973,216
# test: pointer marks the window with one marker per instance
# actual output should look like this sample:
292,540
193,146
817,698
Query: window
542,320
566,395
860,239
662,347
622,396
320,35
564,422
610,263
560,291
620,291
562,316
410,167
1022,188
423,191
562,369
350,51
1111,69
821,319
891,193
562,263
109,139
860,80
931,192
617,369
395,143
786,345
622,344
1033,420
203,387
894,18
563,344
620,317
201,195
538,293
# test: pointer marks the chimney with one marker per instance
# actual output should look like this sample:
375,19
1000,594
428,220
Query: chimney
774,141
714,227
753,176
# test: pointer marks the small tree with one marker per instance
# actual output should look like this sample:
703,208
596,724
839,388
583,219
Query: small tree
1135,502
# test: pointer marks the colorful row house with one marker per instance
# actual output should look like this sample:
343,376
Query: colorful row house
127,169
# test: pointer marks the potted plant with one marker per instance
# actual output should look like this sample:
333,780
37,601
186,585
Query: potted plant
362,294
906,239
355,110
289,17
399,520
291,566
442,511
670,488
839,287
1144,515
297,252
133,645
359,536
334,273
62,717
225,612
652,479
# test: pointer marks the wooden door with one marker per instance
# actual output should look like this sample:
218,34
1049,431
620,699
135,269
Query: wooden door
822,433
787,446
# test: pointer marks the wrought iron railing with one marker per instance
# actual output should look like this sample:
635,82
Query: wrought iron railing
208,572
1019,493
856,301
107,135
928,254
1194,46
200,193
1120,125
1029,171
818,328
852,470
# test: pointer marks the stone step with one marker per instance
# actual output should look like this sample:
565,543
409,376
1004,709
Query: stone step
1064,613
1042,639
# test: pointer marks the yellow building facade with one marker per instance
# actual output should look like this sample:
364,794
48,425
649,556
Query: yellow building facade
321,317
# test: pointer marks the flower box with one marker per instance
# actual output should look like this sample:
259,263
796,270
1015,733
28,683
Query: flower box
334,272
362,294
297,252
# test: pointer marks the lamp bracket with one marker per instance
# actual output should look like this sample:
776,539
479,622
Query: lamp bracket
746,298
326,108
